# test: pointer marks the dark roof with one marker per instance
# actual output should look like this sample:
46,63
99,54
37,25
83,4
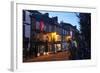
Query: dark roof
34,11
66,24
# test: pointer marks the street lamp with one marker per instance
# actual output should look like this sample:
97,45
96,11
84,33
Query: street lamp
54,39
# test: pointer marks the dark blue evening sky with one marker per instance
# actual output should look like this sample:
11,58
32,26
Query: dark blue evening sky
68,17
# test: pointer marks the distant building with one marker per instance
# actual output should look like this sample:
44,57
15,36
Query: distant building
68,29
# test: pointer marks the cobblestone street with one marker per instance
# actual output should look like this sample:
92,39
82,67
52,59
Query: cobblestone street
50,57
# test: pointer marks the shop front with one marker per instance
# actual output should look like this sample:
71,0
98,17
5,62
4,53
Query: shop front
48,43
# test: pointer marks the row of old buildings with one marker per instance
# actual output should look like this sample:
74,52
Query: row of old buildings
42,34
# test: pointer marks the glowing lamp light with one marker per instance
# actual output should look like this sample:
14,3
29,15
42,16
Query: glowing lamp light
68,37
47,53
54,36
38,54
44,53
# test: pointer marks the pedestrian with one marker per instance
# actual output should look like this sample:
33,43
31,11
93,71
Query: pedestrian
73,49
